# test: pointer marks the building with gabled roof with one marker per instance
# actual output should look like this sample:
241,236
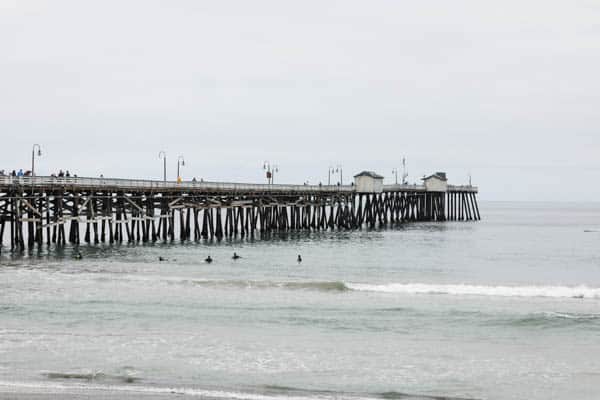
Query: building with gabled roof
437,182
368,182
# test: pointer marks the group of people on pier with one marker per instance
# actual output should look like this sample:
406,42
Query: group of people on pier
20,172
62,174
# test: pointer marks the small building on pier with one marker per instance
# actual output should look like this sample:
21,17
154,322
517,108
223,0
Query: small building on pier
368,182
436,182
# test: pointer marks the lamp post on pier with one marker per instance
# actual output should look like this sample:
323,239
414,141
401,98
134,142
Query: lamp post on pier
39,153
330,171
180,163
162,155
395,173
271,169
339,169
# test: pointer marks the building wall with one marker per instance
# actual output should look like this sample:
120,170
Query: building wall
436,185
366,184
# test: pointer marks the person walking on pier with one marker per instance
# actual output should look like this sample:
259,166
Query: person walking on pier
20,173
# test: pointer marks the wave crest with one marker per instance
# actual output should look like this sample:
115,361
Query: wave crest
481,290
325,286
581,291
92,376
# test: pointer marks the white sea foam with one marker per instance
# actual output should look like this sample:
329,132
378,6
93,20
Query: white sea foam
46,388
480,290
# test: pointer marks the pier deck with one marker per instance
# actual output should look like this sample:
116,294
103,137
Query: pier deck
60,210
115,184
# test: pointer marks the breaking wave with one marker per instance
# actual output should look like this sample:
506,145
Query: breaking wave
580,292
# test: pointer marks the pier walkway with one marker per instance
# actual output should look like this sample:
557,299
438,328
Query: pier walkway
60,210
74,183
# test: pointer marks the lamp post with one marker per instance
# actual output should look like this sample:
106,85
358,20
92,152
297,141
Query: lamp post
395,172
330,171
404,173
162,155
339,169
39,153
180,163
271,169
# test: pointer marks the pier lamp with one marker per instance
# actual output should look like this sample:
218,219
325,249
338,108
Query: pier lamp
330,171
267,167
274,169
162,155
395,173
180,163
33,153
271,169
339,169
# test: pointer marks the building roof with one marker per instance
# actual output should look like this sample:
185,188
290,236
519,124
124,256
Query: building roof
438,175
370,174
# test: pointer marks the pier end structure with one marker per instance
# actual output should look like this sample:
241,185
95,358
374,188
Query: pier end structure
36,211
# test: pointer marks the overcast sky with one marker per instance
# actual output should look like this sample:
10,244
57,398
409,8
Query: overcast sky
508,91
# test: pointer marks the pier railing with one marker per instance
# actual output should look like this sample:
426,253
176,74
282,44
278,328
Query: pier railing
421,188
200,186
463,188
150,185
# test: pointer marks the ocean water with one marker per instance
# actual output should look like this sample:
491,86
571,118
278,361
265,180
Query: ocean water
504,308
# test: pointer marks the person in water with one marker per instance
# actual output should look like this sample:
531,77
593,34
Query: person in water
236,256
209,259
78,256
299,258
161,258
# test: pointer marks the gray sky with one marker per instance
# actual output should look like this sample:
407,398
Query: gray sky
508,91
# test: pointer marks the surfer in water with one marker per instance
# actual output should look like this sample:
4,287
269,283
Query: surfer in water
161,258
236,256
299,258
208,259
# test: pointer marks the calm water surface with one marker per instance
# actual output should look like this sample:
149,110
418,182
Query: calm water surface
505,308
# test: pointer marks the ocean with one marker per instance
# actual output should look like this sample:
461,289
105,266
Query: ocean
504,308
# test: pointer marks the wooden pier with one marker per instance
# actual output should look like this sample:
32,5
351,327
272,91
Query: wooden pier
36,211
